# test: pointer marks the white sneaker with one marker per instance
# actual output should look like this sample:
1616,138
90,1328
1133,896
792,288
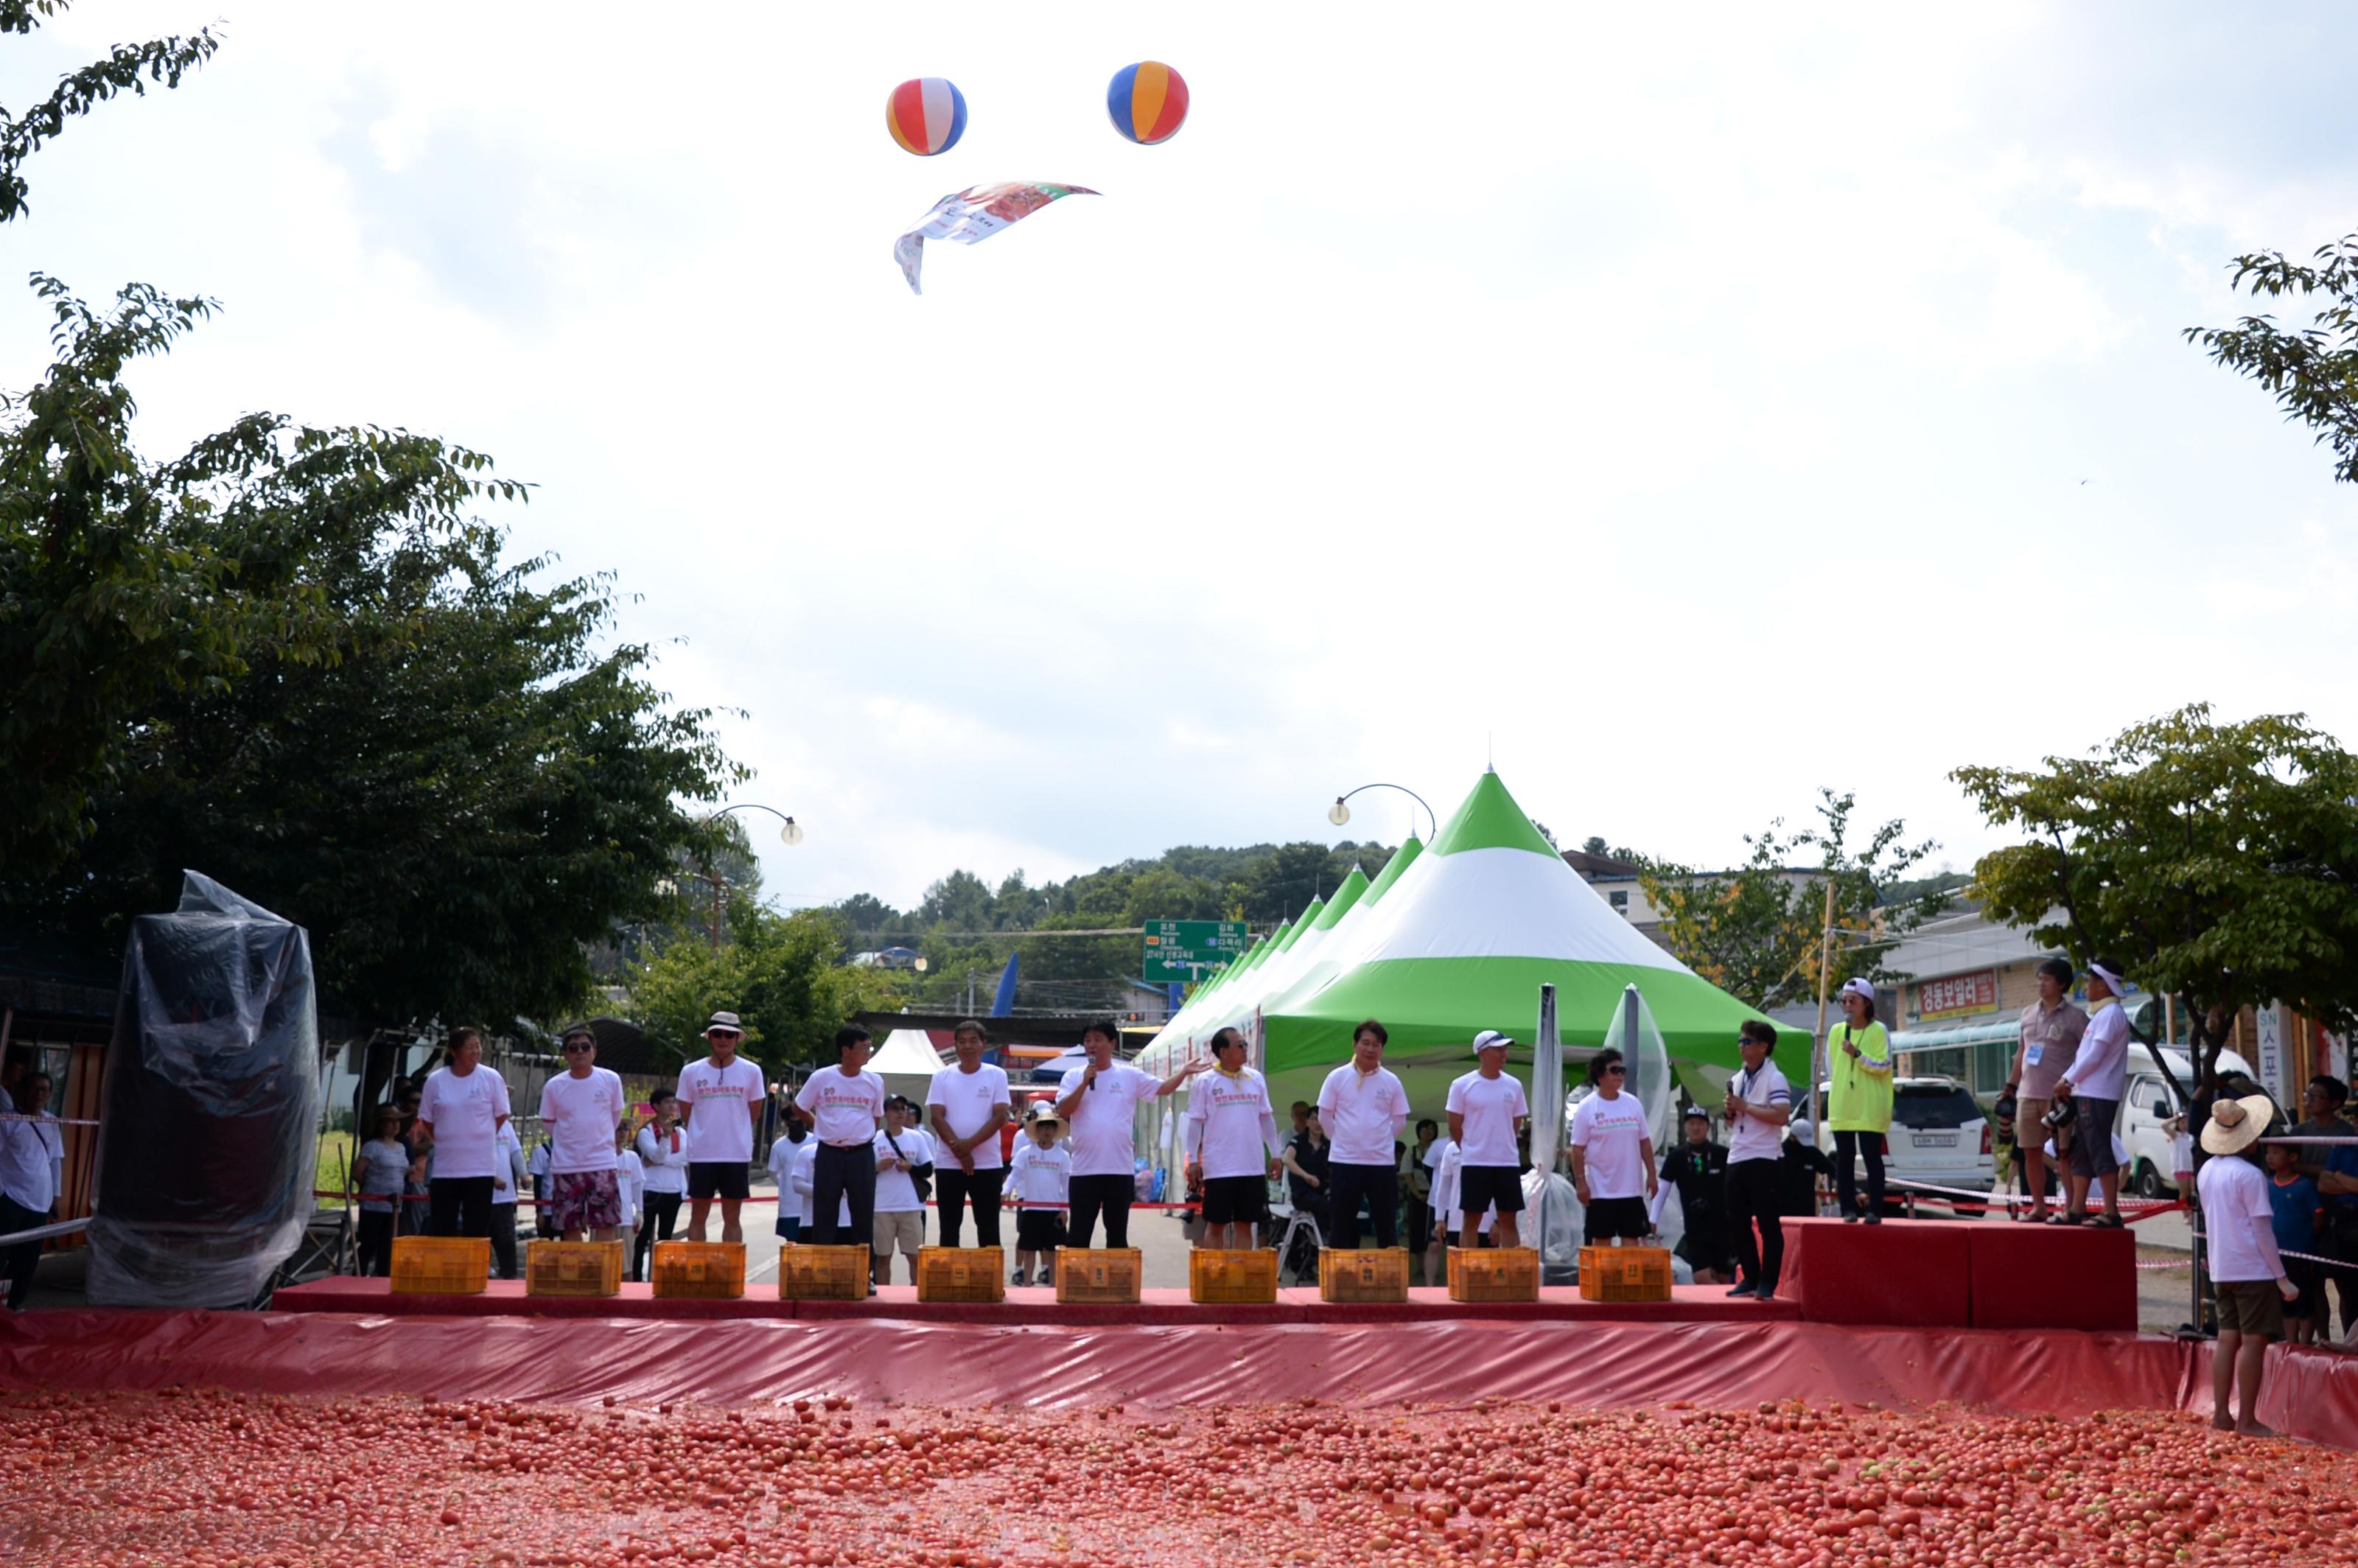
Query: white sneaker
1018,1278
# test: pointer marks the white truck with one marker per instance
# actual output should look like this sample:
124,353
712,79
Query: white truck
2146,1111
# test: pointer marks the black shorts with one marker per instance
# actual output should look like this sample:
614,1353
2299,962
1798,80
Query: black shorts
1235,1200
1479,1187
1039,1229
709,1179
1624,1218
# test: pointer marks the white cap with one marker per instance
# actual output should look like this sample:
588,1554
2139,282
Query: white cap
1856,986
1488,1038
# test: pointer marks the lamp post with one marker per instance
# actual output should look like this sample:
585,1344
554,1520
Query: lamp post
1339,813
790,834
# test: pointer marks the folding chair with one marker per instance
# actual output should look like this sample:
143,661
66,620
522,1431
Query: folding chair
1292,1252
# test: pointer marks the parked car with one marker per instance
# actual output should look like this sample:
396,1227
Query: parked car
1939,1136
2145,1111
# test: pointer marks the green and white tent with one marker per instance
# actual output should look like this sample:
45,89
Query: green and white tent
1449,942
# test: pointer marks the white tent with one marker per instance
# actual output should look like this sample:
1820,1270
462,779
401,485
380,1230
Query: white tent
908,1062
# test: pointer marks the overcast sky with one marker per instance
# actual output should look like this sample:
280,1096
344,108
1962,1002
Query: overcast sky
1685,408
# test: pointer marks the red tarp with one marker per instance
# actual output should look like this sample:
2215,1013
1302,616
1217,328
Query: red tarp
745,1361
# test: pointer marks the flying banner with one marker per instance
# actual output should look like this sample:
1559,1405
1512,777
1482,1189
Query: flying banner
973,215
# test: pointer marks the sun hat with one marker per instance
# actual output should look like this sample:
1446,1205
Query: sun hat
1489,1038
2114,980
726,1022
2236,1124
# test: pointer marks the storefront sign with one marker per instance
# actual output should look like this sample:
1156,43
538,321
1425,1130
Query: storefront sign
1957,996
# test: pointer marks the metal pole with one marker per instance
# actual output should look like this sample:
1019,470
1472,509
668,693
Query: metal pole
1818,1046
714,878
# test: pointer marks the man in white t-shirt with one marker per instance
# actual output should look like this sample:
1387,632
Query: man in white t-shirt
1098,1100
459,1114
1612,1157
1232,1144
968,1105
900,1221
1364,1109
1760,1103
583,1107
1486,1108
844,1108
720,1100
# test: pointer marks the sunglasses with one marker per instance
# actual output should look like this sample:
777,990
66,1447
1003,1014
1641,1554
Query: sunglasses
578,1047
1616,1070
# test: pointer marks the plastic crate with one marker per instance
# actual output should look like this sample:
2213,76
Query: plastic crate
441,1265
573,1268
961,1274
1494,1274
1232,1278
823,1273
1377,1275
1625,1273
700,1270
1099,1274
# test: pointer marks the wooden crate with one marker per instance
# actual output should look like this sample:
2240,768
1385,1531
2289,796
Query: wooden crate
700,1270
1625,1273
1099,1274
961,1274
1232,1278
441,1265
1379,1274
1494,1274
573,1268
823,1273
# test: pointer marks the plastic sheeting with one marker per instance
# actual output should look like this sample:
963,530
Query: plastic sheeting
760,1361
210,1132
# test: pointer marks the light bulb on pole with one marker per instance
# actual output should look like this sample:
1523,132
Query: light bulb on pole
1339,814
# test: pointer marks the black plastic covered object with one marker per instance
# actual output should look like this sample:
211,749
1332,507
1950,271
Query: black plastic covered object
212,1101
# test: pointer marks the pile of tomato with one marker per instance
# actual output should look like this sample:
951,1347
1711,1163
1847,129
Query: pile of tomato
207,1478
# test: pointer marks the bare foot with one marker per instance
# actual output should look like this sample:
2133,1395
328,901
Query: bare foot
2253,1428
2223,1423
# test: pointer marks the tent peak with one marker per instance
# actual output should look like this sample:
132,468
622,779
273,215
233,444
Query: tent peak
1489,820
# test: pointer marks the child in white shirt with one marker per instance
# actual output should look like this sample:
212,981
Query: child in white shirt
1039,1184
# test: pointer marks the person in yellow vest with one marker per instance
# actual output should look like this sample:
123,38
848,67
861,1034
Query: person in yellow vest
1858,1104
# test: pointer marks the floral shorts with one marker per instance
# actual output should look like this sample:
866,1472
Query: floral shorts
586,1200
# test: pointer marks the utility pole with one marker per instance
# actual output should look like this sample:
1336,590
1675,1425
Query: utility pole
717,882
1818,1046
969,992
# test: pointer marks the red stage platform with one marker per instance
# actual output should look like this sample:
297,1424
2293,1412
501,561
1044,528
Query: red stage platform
506,1298
1991,1274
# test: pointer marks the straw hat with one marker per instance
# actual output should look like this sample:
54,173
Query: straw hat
2236,1124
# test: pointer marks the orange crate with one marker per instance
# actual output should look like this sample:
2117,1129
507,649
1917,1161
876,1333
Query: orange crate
1099,1274
703,1271
1494,1274
961,1274
1377,1275
573,1269
1625,1273
441,1265
823,1273
1232,1278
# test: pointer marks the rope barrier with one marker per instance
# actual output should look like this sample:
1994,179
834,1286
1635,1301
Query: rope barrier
43,1232
51,1120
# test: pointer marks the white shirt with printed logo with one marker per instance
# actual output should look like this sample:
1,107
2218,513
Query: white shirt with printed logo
720,1103
465,1112
847,1108
1364,1113
1042,1178
897,1191
1230,1128
967,1100
1490,1109
1105,1118
1610,1135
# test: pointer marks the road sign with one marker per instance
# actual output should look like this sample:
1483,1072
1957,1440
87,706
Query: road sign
1183,949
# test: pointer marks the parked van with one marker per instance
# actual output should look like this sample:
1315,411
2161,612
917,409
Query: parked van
2147,1108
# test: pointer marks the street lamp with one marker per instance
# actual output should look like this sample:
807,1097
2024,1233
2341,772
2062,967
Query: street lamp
1338,813
789,835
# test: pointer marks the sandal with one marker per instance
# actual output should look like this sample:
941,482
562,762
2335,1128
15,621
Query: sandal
2070,1219
2030,1217
2105,1222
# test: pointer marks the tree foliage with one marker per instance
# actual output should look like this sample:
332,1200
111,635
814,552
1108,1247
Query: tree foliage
783,974
2218,861
1758,932
288,657
128,68
2311,371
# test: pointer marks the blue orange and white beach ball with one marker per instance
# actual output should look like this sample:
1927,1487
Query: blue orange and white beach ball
1148,102
927,115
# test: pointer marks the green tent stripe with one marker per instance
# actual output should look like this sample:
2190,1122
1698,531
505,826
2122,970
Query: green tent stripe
1489,820
1434,1003
1309,918
1402,858
1353,887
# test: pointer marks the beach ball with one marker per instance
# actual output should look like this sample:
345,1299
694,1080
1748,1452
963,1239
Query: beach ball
927,115
1148,102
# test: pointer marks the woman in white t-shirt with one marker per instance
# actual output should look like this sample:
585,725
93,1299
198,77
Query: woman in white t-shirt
1612,1156
900,1219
